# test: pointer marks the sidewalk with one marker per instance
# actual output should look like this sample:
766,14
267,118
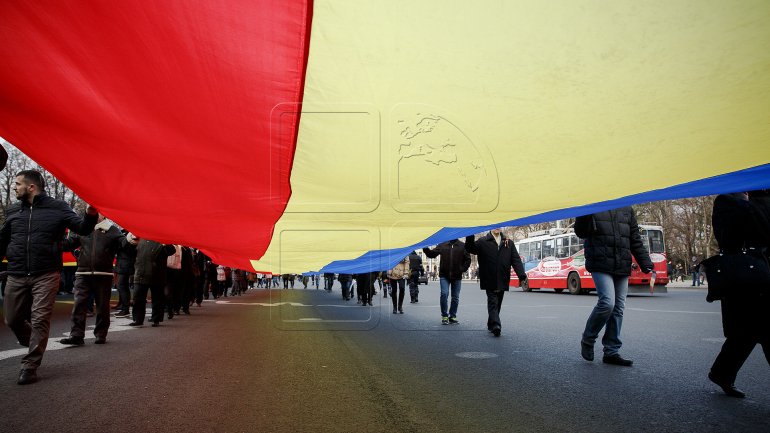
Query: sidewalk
686,284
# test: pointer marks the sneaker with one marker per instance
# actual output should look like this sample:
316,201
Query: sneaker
122,314
72,341
100,340
445,320
453,321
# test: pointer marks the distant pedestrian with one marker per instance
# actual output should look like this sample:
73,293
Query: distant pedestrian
397,281
695,270
611,239
345,282
415,270
365,284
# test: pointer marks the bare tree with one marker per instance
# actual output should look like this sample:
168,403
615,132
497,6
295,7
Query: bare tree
18,161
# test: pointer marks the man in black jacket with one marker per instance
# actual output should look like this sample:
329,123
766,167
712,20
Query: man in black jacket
150,275
415,269
611,238
454,260
497,255
94,275
31,239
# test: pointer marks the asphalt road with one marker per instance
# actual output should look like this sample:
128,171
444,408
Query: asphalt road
307,361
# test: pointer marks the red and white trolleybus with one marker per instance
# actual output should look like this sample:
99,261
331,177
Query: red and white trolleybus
554,259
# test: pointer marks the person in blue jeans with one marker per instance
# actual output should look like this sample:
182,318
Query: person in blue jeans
695,269
611,239
454,261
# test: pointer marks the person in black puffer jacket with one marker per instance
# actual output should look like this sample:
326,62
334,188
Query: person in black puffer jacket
611,238
94,276
31,239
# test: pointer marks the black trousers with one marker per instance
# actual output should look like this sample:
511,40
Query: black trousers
398,292
99,286
124,292
494,302
140,303
414,286
365,292
174,290
746,323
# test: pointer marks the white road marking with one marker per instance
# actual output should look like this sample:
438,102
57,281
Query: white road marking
116,325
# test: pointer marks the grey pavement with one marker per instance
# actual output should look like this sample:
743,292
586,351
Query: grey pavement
307,361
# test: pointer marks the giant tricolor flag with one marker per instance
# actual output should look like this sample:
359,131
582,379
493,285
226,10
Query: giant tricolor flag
338,135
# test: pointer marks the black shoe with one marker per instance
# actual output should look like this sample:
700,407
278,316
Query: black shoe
27,376
155,324
72,341
100,340
587,351
395,311
496,331
728,388
617,360
122,314
400,311
187,312
134,324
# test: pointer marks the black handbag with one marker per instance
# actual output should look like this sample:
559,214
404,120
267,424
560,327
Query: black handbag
744,270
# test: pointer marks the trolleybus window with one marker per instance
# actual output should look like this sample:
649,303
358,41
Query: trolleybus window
562,247
534,250
653,240
524,250
548,248
574,245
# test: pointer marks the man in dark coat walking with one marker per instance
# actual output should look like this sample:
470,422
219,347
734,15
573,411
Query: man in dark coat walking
415,270
497,255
